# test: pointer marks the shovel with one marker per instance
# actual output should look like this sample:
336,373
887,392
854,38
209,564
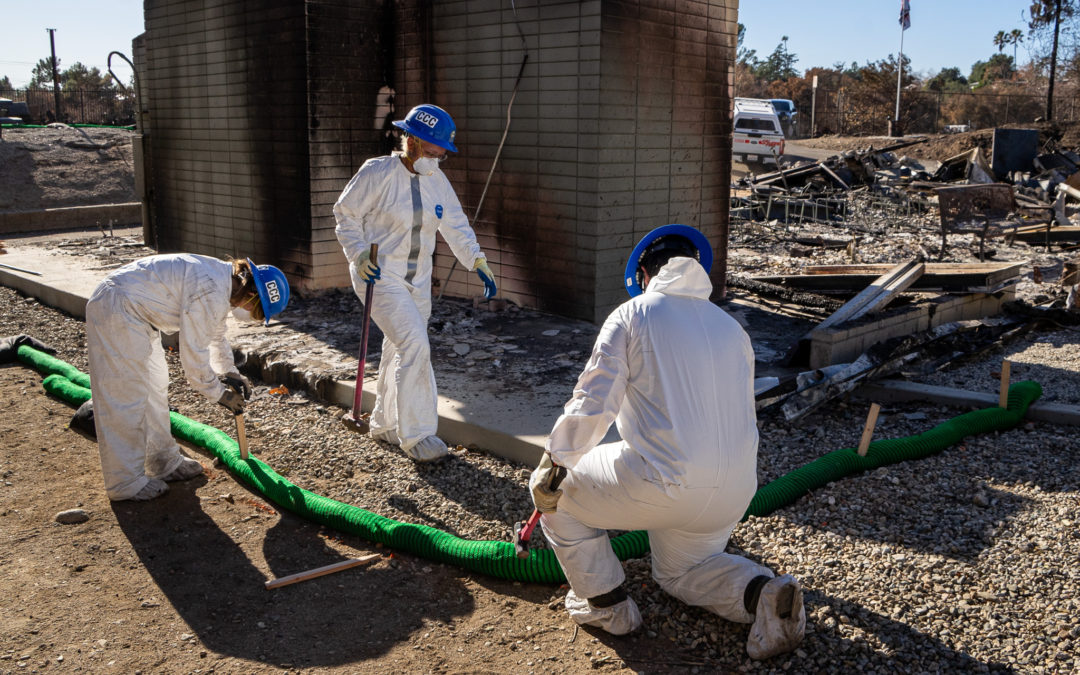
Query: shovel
352,419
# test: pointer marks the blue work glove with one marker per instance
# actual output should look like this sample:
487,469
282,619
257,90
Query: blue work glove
368,270
484,272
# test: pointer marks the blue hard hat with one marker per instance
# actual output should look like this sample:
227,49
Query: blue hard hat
673,235
273,289
430,123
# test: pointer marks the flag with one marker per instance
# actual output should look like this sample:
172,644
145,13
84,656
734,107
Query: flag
905,14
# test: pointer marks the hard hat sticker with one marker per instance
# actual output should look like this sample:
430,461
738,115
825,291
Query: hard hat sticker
272,291
427,118
438,211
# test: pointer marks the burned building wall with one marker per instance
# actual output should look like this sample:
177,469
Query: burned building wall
225,89
621,123
261,111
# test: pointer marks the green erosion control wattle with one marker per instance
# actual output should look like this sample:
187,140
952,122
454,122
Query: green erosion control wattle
497,558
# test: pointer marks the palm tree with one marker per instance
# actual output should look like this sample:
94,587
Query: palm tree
1016,36
1000,40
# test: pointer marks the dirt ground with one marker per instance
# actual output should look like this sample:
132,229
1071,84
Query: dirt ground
177,584
59,166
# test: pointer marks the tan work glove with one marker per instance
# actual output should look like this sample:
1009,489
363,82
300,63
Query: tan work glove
544,483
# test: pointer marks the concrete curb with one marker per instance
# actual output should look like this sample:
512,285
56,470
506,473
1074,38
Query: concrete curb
71,217
454,427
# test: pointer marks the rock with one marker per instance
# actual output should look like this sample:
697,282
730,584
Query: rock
462,348
72,516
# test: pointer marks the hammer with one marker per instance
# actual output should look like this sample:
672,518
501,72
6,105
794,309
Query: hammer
523,531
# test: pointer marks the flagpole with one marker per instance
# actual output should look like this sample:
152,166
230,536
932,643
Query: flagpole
899,72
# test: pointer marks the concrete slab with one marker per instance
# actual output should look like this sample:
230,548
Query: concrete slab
317,353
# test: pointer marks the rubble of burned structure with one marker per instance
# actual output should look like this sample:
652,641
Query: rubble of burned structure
895,265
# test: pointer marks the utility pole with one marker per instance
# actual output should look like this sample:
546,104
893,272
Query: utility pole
55,74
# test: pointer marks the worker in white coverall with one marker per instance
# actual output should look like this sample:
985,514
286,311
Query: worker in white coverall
398,202
129,378
675,373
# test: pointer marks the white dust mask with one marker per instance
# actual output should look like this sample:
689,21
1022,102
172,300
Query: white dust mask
425,166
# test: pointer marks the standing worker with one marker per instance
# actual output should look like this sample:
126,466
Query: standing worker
398,202
129,378
675,373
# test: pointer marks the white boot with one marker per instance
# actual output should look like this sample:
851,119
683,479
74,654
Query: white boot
152,490
780,619
187,468
618,619
428,450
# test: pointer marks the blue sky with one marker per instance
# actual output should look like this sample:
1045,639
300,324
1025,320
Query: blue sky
943,33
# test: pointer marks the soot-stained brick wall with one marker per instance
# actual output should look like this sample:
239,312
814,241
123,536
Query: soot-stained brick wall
621,123
261,111
225,84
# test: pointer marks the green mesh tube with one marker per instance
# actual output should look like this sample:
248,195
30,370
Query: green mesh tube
497,558
47,364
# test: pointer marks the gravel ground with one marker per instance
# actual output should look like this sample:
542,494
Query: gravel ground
966,561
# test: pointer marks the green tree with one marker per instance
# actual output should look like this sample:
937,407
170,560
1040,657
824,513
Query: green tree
1013,37
5,84
947,79
42,74
1046,16
79,76
1000,40
997,67
780,65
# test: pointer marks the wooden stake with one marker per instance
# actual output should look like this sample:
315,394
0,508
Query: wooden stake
320,571
868,430
1003,395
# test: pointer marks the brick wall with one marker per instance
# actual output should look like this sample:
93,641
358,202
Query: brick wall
225,85
621,124
261,111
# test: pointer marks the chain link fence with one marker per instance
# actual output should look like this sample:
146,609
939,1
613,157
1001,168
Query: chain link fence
77,106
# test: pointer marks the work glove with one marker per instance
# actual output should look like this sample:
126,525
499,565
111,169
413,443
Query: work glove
232,400
484,272
239,383
369,271
544,483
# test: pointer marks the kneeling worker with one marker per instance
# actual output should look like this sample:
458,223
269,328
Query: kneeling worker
129,378
676,374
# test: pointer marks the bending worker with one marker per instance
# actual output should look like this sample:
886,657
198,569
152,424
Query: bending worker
675,373
398,202
129,378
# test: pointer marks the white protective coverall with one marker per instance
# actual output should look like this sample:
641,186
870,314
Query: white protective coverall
388,205
129,377
675,373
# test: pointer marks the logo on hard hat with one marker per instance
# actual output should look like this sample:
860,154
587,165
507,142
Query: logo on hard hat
427,118
438,210
272,291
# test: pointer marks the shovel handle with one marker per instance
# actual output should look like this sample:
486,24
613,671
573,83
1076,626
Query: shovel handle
241,436
358,393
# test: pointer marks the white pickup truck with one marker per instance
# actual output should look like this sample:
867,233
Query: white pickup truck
756,135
